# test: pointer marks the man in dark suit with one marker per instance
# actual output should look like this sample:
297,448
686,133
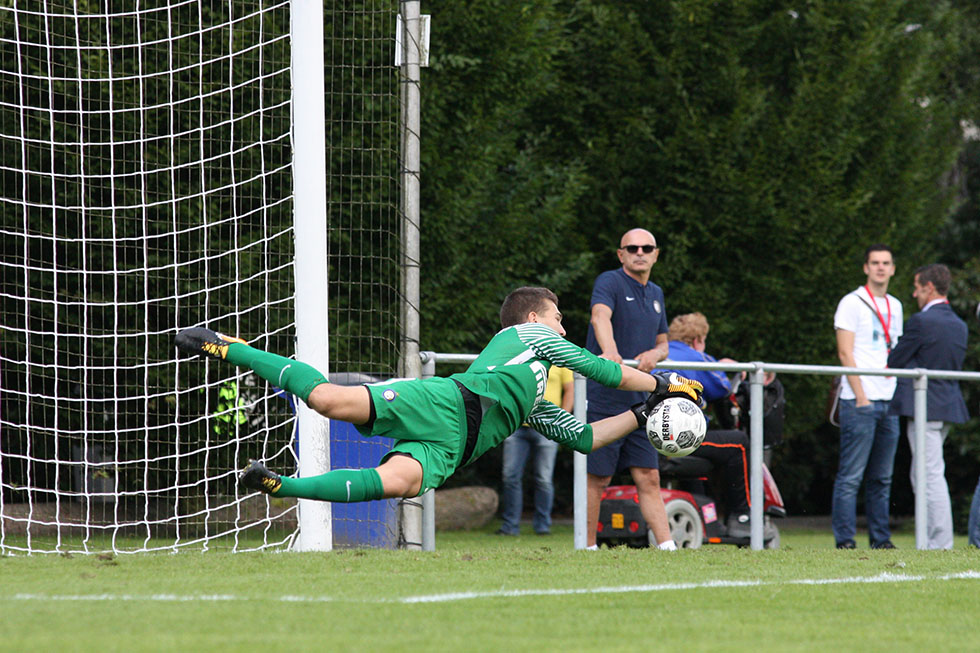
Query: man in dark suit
934,338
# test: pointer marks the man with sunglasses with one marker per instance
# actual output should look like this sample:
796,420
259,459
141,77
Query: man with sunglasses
629,320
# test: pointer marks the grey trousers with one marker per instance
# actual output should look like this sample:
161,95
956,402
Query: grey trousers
939,510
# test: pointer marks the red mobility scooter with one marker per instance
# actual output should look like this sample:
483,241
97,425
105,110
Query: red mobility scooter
693,513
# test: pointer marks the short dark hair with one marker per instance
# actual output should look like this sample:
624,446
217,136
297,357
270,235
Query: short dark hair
522,301
936,273
877,247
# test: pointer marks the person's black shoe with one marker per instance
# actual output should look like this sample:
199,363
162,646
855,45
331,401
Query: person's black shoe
847,544
501,531
887,544
739,525
199,341
257,476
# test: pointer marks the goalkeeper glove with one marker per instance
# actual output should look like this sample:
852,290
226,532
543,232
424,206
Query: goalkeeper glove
668,385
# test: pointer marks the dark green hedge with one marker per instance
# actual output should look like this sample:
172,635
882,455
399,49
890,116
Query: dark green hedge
766,144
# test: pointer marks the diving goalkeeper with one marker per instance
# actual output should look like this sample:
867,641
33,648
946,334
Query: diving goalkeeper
441,424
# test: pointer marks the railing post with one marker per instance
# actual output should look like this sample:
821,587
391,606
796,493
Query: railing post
757,380
429,498
919,385
580,497
428,364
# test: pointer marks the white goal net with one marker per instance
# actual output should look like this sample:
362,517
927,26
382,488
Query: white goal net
145,185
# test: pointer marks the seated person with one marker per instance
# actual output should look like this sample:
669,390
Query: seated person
728,450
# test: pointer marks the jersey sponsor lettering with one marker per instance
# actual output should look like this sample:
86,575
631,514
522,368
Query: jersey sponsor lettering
541,376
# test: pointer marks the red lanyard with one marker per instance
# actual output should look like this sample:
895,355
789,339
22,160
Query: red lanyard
888,340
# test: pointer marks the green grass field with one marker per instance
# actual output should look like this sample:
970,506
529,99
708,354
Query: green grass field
481,592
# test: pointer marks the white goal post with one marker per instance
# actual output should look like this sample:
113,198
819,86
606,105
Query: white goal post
147,184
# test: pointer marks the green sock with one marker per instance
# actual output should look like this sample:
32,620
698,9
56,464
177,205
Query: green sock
340,485
291,375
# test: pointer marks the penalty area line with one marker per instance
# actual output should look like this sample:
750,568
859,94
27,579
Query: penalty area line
494,594
668,587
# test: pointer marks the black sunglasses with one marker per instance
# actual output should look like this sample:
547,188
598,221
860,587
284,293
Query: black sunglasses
633,249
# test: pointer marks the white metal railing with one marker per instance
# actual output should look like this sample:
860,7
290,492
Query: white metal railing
755,374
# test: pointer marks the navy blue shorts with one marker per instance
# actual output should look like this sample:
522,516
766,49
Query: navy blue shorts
632,451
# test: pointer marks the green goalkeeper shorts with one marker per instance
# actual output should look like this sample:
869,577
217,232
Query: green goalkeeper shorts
427,420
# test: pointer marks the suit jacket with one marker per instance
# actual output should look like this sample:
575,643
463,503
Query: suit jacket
934,339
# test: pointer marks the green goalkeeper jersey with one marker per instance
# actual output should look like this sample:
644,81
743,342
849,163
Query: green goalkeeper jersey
510,376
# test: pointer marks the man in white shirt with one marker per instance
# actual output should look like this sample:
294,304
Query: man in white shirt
868,323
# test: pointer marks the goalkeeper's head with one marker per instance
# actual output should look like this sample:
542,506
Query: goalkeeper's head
531,304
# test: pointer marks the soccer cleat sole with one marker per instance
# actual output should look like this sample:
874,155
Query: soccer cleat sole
257,476
198,341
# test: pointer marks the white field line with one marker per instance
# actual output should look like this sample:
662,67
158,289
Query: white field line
667,587
466,596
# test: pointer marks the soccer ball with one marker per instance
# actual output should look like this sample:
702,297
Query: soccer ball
676,427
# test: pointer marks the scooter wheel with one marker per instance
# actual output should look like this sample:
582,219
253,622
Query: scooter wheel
773,542
685,524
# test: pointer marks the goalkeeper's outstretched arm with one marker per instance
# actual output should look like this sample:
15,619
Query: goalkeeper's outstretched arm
634,379
610,429
663,386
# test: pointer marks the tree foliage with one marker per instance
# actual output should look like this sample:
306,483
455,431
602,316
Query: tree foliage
498,208
765,143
